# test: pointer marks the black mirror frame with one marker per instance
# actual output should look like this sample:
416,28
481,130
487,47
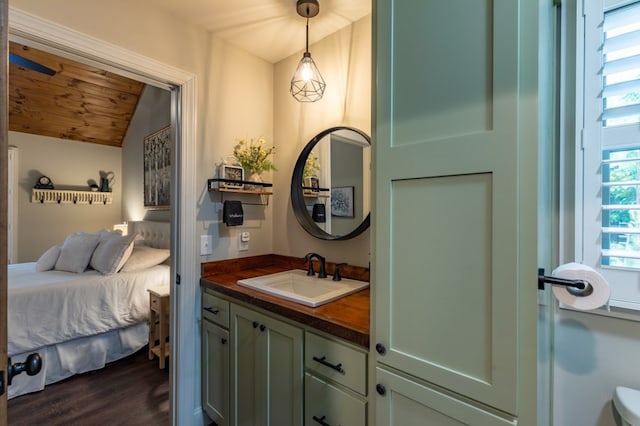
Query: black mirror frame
297,195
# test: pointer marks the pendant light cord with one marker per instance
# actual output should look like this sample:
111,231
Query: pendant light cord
307,45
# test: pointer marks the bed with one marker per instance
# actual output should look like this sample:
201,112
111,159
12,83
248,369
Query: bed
80,321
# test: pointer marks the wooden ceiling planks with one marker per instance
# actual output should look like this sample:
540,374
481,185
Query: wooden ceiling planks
79,102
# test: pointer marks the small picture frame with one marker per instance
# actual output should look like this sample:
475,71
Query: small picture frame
311,185
232,173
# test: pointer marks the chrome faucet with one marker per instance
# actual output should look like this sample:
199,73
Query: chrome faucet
309,258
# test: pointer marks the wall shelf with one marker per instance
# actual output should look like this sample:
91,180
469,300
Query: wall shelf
213,185
61,196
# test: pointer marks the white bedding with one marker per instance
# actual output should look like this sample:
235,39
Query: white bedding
46,308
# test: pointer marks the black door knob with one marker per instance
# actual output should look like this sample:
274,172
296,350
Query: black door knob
31,366
381,389
381,349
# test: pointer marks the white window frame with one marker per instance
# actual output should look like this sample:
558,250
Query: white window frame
587,152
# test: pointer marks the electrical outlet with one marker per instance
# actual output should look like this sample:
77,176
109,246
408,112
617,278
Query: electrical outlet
206,244
243,240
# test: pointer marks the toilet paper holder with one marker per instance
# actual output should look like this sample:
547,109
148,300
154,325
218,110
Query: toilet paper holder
577,287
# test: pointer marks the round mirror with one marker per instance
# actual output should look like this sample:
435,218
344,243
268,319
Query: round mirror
330,187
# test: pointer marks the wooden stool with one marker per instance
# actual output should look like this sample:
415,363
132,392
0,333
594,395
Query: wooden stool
159,315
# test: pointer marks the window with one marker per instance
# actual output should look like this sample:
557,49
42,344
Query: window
608,226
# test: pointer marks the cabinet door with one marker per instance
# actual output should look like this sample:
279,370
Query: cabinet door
249,369
285,373
403,402
215,386
268,370
456,196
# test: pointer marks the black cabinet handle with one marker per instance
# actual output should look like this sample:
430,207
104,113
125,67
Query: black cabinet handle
255,324
223,341
381,389
381,349
211,310
324,362
321,420
263,327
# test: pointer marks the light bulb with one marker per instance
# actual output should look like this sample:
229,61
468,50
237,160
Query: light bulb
307,72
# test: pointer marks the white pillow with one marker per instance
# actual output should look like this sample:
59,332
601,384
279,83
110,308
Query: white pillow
144,257
48,260
112,252
76,252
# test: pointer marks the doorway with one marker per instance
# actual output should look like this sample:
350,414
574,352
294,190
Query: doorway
42,34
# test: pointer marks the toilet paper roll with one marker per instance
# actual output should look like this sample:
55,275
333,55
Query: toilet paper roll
577,271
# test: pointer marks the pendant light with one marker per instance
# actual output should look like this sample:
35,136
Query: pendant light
307,84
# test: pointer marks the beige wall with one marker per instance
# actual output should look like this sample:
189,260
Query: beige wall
344,59
70,165
238,103
153,113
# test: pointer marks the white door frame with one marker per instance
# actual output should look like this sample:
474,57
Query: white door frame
185,399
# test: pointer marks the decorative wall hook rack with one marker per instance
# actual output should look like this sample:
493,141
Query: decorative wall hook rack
57,196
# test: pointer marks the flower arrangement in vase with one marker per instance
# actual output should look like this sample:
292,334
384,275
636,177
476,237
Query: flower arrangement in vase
311,166
254,157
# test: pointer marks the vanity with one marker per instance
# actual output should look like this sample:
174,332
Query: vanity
268,360
283,347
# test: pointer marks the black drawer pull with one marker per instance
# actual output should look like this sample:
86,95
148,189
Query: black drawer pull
324,361
321,420
211,310
255,324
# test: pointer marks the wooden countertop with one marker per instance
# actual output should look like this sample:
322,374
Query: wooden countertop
347,318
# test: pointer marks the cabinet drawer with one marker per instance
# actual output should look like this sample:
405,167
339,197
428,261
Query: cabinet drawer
326,404
336,361
215,309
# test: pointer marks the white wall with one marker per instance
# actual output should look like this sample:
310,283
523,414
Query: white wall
593,354
344,59
70,165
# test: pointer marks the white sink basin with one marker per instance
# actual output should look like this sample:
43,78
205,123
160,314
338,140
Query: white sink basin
297,286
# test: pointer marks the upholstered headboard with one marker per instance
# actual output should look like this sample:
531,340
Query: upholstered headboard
155,234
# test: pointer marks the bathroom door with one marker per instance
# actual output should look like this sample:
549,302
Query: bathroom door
454,266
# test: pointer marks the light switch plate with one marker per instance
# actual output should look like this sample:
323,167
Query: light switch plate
243,240
206,245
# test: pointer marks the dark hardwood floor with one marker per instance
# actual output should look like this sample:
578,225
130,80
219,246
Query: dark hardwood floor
132,391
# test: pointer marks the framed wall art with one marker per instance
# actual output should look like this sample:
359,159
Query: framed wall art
157,169
342,201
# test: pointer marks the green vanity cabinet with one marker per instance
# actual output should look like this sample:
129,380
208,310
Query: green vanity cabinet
267,369
263,369
215,358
